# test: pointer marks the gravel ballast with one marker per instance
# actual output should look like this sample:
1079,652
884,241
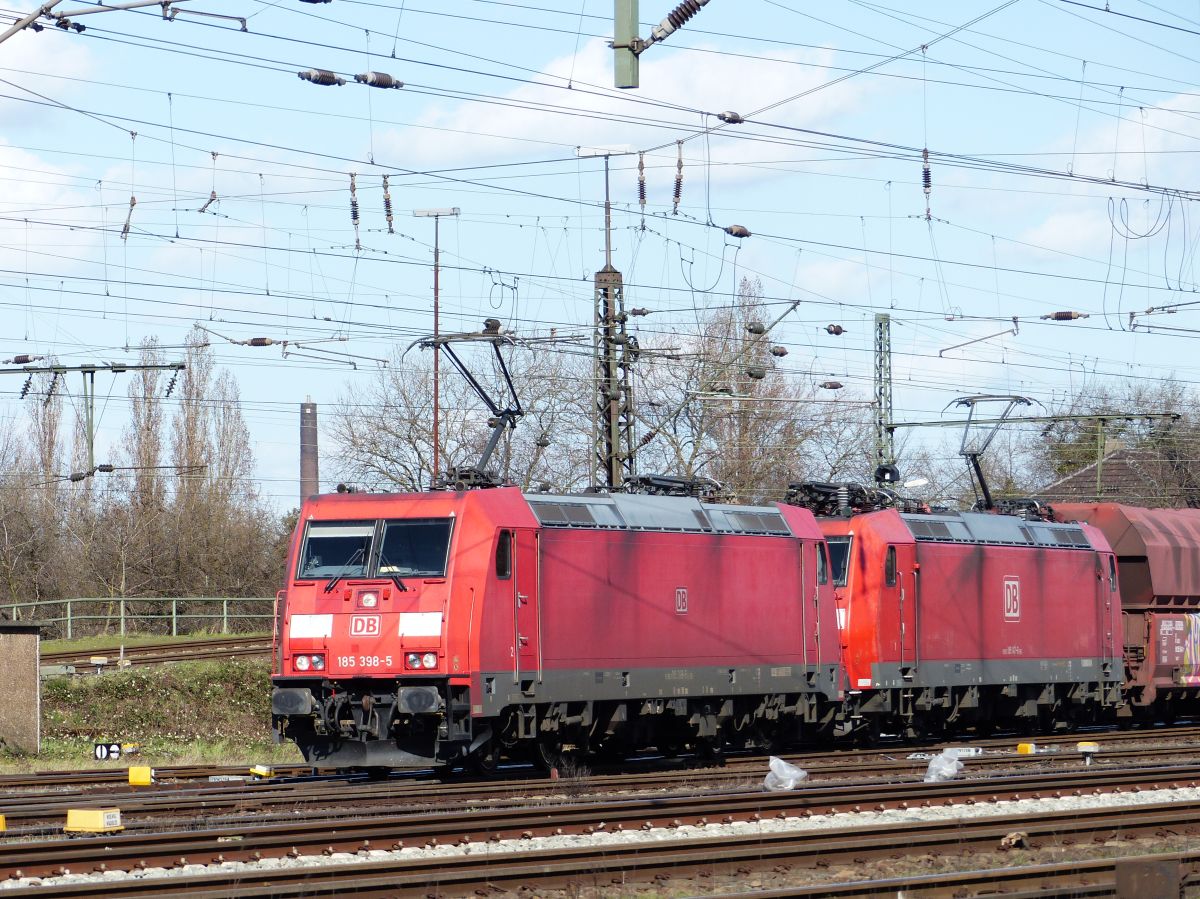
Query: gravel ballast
1031,807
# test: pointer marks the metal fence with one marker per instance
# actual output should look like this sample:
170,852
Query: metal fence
88,616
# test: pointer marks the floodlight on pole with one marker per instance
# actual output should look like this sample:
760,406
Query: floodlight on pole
437,215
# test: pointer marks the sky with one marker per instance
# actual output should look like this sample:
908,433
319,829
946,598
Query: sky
1061,139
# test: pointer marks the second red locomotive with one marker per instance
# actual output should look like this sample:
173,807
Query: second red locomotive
966,619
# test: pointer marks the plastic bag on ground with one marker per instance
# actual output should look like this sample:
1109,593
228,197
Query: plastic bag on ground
943,766
783,776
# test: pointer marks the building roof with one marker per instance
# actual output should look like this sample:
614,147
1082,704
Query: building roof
1130,475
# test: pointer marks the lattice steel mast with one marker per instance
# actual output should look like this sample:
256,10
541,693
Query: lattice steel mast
613,426
885,447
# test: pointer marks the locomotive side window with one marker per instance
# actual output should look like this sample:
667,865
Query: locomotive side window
1112,574
889,567
415,547
336,549
839,556
504,555
822,565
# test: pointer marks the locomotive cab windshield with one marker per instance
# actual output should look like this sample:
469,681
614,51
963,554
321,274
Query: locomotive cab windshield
414,548
336,549
345,549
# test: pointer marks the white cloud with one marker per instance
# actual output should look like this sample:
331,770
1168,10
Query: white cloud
522,124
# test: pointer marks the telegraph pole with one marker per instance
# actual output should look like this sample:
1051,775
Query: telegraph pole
436,215
89,396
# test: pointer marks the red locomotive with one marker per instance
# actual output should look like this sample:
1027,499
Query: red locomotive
956,620
436,628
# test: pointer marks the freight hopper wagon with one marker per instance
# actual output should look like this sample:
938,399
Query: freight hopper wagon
972,620
436,628
1159,555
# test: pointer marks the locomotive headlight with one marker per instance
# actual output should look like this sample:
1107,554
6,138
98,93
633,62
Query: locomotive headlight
368,600
301,663
318,662
429,660
413,660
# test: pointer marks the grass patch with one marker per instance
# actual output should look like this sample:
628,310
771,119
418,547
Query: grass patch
204,712
113,642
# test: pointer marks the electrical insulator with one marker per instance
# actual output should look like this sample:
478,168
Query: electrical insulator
387,205
678,176
642,181
638,310
835,330
676,19
491,326
926,180
321,76
779,351
23,359
756,328
128,218
212,198
378,79
354,211
756,372
314,1
260,341
171,385
76,476
1065,316
543,441
729,117
106,468
737,231
831,385
27,385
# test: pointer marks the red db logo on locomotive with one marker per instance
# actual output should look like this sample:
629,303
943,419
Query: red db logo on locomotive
1012,599
364,625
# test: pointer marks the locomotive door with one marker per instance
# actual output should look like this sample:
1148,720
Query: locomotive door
1107,579
527,620
900,581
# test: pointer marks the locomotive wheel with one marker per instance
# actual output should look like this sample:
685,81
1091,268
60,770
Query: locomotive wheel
486,759
548,754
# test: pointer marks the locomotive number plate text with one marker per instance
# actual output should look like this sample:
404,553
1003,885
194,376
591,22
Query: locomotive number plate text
364,661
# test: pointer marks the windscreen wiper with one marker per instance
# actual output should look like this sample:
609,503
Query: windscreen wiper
383,560
333,582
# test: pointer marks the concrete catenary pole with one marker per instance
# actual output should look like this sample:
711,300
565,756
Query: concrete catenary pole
310,477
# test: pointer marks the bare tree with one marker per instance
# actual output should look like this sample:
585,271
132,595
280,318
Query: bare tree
384,429
724,408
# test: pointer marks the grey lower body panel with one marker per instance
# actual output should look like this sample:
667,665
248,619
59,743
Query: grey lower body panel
971,673
500,689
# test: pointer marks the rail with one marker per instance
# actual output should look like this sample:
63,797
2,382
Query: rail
173,615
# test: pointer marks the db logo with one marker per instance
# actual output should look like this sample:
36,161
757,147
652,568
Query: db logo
364,625
681,600
1012,599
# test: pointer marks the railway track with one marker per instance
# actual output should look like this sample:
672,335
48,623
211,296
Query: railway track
36,806
612,865
158,653
314,831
